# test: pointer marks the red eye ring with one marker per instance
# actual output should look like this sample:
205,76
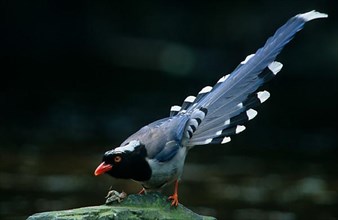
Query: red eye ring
117,159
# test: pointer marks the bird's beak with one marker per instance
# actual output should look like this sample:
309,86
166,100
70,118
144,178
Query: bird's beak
102,168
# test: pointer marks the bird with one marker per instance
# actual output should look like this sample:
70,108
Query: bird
154,156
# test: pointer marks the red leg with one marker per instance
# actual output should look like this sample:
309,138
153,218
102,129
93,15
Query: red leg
142,191
174,197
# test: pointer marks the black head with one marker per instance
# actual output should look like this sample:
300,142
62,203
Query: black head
126,162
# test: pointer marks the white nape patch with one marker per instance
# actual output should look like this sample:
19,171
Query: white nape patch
226,140
240,128
205,90
251,113
223,78
207,141
240,105
129,147
219,132
263,96
190,99
247,58
175,108
227,122
308,16
275,67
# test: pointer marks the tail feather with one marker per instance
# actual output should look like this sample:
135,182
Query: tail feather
209,125
231,102
174,110
187,102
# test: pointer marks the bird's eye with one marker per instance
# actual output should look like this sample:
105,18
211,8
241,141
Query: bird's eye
117,159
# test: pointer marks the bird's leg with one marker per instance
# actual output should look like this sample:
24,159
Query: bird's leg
174,197
143,190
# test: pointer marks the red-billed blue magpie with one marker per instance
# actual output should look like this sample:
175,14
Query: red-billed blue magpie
154,156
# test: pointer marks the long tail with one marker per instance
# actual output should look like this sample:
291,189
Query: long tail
220,111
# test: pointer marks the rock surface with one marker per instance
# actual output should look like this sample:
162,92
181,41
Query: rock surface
149,206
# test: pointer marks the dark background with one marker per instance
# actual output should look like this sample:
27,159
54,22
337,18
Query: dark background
77,78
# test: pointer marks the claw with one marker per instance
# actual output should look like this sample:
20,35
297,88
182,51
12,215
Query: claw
174,197
143,190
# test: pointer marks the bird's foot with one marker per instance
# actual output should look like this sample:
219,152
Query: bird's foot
174,199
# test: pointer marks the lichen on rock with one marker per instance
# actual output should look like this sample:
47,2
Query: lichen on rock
149,206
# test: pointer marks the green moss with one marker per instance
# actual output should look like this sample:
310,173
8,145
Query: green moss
149,206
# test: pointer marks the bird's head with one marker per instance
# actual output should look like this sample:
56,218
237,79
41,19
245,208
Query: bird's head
126,162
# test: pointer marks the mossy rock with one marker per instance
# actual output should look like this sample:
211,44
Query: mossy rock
149,206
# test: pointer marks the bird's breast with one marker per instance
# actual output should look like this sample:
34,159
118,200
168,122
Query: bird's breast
165,172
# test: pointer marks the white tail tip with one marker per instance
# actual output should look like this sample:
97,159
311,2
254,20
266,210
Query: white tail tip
263,96
240,128
226,140
275,67
308,16
251,113
175,108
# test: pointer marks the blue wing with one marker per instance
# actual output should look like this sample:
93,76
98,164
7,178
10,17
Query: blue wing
162,138
168,152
